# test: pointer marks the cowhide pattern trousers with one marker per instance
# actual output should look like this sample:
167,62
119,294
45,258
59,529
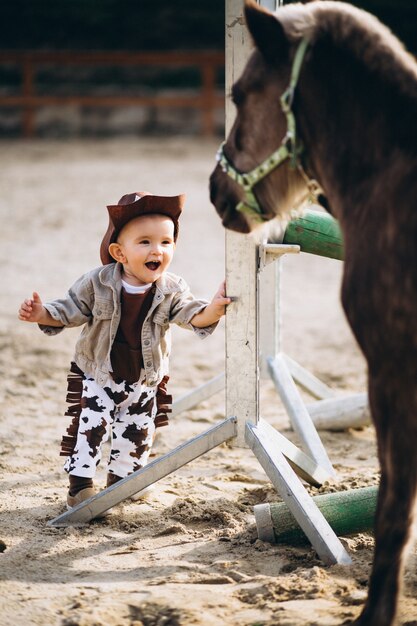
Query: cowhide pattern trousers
125,413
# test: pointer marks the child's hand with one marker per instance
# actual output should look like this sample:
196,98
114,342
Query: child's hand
220,301
31,310
213,311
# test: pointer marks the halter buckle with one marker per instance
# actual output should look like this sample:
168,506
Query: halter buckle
287,99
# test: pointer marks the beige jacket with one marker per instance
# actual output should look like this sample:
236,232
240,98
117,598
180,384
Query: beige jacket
94,300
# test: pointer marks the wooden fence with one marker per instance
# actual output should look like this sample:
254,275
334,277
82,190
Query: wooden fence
207,98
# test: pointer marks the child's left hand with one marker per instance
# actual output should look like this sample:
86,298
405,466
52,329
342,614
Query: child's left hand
220,301
213,311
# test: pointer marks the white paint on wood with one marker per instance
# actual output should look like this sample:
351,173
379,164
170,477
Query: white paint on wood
341,413
270,322
242,379
302,464
313,385
269,316
198,395
298,414
264,523
311,520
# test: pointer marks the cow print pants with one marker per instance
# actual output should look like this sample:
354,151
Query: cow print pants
123,412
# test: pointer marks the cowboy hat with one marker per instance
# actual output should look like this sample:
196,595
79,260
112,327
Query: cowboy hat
133,205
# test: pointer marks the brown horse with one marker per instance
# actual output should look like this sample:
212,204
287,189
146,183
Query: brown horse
330,94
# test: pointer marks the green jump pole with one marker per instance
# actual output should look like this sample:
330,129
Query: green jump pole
317,233
347,512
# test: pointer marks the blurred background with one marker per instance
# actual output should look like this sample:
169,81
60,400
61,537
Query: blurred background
90,68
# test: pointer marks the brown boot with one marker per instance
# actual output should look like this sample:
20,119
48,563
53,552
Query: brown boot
81,496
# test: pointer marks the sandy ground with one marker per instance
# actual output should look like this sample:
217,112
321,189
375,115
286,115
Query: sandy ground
190,554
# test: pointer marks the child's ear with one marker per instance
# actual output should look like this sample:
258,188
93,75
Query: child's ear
116,252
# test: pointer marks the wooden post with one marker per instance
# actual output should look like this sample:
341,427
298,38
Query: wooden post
241,265
270,315
347,512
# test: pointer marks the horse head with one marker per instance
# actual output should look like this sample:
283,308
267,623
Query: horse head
309,100
259,173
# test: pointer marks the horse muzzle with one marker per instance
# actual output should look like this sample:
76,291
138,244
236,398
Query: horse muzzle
225,199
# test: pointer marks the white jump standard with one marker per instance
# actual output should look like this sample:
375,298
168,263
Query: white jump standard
242,426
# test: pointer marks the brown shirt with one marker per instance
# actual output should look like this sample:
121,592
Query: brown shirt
94,302
126,354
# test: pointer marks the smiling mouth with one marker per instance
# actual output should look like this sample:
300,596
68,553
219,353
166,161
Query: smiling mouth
153,265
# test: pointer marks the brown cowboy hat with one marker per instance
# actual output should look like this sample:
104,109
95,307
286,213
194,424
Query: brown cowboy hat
133,205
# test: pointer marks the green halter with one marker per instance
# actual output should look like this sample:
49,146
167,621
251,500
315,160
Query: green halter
290,148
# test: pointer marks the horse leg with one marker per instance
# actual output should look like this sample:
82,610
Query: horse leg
394,409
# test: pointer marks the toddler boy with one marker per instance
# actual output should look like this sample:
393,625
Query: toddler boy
117,380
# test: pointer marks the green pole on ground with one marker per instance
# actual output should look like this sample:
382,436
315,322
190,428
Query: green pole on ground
317,233
347,512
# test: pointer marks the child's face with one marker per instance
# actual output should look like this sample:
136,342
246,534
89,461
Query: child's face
145,246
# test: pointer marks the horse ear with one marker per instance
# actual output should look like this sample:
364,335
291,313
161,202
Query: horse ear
267,32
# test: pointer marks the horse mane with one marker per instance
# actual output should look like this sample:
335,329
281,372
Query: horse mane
356,31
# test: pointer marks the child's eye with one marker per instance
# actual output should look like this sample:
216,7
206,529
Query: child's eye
144,241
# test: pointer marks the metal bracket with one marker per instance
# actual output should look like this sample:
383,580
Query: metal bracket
270,252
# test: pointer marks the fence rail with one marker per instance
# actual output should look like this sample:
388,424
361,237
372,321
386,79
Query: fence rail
206,100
